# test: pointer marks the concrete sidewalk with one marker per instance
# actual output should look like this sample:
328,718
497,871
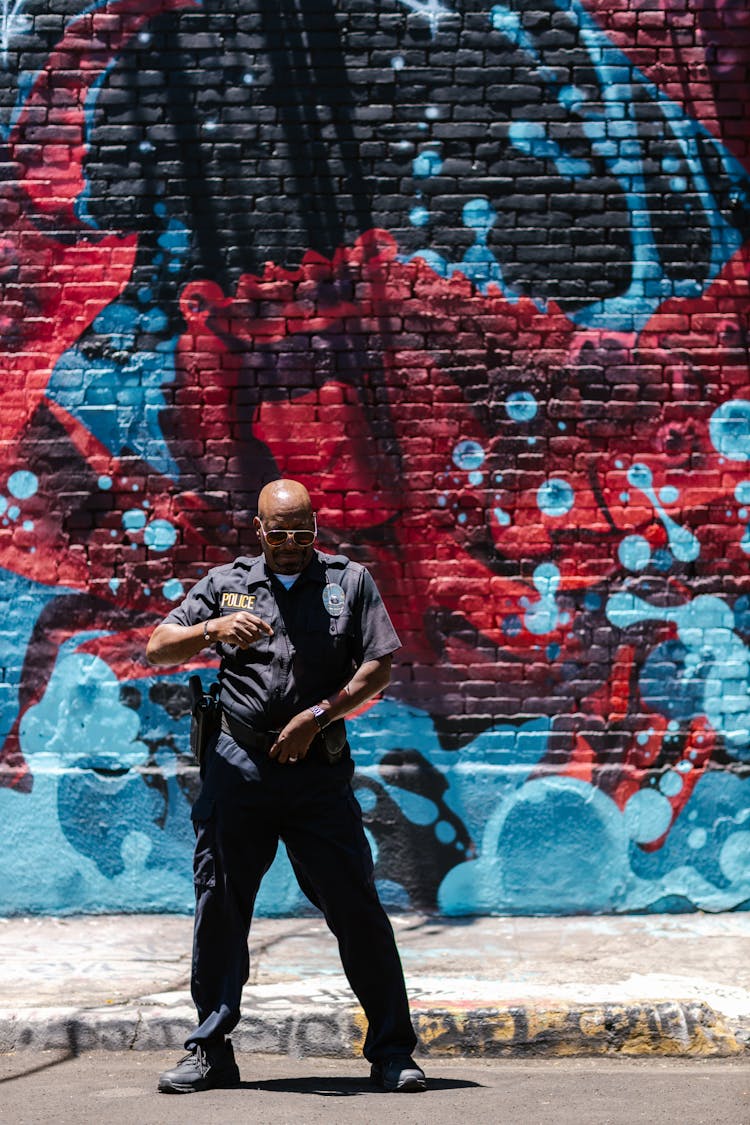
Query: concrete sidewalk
638,985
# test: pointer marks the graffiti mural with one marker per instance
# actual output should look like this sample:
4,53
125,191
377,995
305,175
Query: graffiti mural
479,274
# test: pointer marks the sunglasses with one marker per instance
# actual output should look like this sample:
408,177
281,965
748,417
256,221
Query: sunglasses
278,536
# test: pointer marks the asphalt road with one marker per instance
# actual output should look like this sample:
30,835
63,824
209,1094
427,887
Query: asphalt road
120,1088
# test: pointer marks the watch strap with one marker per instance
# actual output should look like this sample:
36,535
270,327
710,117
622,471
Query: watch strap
318,714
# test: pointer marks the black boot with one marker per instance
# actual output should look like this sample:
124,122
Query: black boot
209,1066
399,1074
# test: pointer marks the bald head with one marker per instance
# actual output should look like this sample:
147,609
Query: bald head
284,495
285,505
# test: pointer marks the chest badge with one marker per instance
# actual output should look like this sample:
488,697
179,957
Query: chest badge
334,599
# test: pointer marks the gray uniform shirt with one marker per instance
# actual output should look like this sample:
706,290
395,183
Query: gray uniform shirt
312,652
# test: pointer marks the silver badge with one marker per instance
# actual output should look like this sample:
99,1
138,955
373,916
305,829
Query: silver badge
334,599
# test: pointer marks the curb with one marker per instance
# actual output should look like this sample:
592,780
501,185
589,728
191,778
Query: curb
669,1028
692,1029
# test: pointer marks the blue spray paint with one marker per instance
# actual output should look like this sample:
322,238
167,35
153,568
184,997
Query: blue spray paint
613,132
23,600
548,844
160,535
682,543
532,138
715,655
558,845
742,495
618,84
432,10
634,552
729,430
428,163
647,815
555,497
478,264
134,519
81,717
468,455
521,406
544,616
23,484
173,589
120,404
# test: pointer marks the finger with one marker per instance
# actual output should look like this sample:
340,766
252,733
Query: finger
279,752
284,754
243,639
249,620
240,639
251,633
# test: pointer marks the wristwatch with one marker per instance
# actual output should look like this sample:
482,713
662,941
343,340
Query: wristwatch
318,714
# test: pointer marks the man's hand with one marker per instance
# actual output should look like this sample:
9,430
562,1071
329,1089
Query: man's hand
242,629
174,644
294,740
369,680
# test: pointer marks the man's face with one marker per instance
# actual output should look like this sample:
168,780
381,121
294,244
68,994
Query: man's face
278,515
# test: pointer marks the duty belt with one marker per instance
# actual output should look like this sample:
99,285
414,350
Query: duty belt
245,736
328,745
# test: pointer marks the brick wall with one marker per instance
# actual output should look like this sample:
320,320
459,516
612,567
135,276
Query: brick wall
478,275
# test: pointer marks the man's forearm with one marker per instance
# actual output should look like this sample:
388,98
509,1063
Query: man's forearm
369,680
176,644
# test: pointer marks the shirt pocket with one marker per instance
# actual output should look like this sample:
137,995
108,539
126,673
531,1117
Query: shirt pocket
338,630
261,646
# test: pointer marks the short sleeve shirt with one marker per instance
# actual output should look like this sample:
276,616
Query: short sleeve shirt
325,626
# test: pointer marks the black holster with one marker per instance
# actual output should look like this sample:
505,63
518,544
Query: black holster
332,740
205,721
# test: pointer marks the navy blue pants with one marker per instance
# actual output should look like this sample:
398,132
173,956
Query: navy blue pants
246,805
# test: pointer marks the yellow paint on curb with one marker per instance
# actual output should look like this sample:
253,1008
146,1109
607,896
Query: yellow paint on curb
359,1030
669,1029
638,1030
502,1027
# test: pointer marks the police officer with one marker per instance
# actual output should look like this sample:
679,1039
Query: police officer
304,638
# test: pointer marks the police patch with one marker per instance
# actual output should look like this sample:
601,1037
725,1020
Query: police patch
237,601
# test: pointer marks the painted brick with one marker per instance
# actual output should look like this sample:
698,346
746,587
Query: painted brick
524,403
